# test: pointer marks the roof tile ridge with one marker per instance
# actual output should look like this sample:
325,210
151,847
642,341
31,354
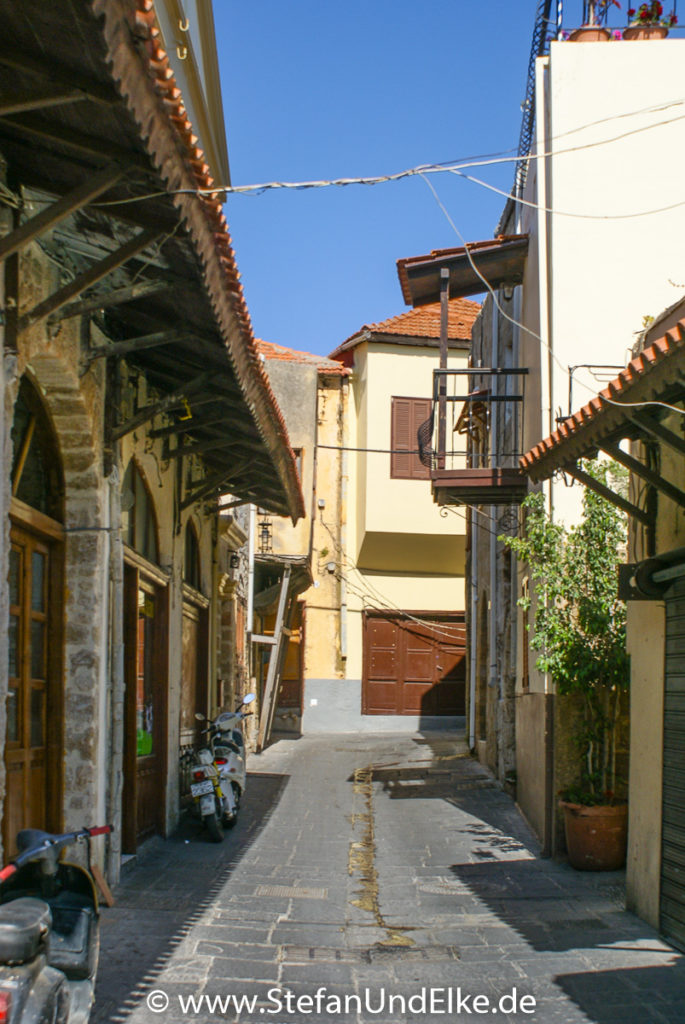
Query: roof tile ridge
164,81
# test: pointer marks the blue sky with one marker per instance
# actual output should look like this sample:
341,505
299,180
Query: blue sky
319,90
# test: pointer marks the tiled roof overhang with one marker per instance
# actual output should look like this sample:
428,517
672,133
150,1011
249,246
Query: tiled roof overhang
657,374
500,261
129,114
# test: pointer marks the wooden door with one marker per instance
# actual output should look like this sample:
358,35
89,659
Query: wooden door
32,753
194,678
413,665
145,616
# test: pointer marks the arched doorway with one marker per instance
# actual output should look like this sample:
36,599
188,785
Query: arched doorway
145,666
33,752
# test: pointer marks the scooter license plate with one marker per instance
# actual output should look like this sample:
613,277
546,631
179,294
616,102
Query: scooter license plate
200,788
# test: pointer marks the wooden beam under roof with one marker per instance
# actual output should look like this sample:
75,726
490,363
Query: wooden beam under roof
639,468
73,140
127,345
19,103
656,429
205,446
148,412
212,483
59,210
104,300
574,470
12,57
190,426
89,277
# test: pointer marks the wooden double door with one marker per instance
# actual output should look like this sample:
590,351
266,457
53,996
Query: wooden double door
414,664
34,701
145,714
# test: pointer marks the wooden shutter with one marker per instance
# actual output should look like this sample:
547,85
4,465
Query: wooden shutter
407,416
673,829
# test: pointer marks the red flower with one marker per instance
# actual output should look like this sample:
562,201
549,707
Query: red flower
673,20
631,12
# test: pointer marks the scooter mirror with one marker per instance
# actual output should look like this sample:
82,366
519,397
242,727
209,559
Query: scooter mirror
249,697
199,716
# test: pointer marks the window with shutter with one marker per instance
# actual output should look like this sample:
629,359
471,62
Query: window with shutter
407,416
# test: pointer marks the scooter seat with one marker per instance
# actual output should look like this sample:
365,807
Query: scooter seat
24,929
72,942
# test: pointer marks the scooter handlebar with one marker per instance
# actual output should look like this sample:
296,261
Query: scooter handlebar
51,842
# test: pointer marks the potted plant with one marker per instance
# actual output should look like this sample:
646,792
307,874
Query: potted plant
649,22
579,629
593,29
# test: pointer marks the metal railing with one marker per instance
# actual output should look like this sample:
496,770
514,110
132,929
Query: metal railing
476,419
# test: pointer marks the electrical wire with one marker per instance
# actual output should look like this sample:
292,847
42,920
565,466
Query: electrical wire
457,168
517,323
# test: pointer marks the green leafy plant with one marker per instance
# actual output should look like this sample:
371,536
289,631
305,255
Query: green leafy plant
579,624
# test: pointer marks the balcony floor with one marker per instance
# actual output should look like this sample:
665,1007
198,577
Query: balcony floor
478,486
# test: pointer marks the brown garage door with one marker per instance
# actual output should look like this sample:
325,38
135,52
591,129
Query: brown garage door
413,667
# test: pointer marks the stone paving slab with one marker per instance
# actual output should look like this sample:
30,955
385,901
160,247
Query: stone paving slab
432,881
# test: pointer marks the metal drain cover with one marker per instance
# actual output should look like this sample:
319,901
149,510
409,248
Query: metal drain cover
292,892
364,955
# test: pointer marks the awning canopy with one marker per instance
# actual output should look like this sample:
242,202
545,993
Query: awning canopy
104,170
633,407
500,261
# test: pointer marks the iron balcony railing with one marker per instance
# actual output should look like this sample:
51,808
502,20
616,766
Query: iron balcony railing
476,419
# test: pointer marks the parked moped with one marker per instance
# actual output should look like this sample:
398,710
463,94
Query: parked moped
219,775
49,931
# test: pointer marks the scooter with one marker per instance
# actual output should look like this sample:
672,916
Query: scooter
49,931
228,745
219,775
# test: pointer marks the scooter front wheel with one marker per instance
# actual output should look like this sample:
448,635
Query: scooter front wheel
214,828
229,820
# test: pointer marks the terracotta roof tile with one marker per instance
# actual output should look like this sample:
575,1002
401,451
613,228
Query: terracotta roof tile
636,373
421,322
141,18
292,355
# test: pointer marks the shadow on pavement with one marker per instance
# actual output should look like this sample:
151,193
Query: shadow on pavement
610,997
160,899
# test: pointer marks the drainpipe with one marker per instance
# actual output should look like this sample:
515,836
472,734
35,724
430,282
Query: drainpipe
214,606
344,396
116,578
474,629
494,680
250,585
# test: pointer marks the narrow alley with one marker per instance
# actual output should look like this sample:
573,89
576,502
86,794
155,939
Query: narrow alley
392,876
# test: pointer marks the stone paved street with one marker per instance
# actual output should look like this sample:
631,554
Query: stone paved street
378,867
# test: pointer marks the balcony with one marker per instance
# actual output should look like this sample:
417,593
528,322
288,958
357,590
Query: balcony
473,440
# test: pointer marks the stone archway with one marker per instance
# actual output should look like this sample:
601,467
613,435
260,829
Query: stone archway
73,412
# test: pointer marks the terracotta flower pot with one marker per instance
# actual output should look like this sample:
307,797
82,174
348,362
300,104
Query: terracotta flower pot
645,32
596,837
590,34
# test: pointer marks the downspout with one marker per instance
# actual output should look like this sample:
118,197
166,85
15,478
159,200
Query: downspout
343,538
213,614
494,680
116,577
250,586
474,630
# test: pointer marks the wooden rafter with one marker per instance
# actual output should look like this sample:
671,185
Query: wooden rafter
574,470
104,300
122,348
206,446
12,57
89,277
59,210
649,426
19,103
79,143
163,405
212,483
652,477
